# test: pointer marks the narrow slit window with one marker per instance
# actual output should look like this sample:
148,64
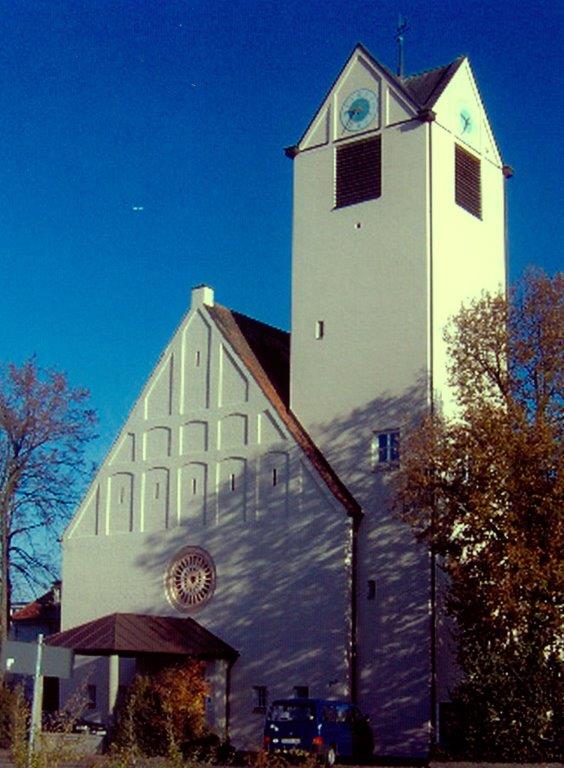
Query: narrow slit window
467,181
92,698
274,476
319,329
371,589
260,698
358,172
194,486
121,495
197,359
232,481
157,490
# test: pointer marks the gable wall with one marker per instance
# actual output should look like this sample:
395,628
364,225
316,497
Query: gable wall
194,465
468,252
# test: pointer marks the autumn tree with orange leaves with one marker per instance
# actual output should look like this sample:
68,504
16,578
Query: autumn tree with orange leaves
44,427
165,712
485,490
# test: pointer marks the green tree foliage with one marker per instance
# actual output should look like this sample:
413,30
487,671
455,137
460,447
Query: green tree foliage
485,490
44,427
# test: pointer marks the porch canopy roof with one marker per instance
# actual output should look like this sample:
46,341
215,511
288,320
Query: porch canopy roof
132,634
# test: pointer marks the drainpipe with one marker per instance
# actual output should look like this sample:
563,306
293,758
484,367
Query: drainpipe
228,669
353,687
428,116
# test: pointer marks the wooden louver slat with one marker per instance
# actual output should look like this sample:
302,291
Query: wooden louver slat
468,181
359,174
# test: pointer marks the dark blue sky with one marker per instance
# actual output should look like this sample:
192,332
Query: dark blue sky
182,108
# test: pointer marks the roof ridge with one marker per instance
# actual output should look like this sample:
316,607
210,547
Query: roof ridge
254,319
432,69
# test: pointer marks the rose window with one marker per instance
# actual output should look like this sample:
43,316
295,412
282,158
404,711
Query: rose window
190,579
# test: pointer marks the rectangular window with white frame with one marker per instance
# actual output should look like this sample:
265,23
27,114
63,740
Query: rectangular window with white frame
385,449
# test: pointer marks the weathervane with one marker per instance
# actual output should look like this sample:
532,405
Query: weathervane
402,27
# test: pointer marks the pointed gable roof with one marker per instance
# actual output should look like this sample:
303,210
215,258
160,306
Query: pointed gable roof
264,351
426,87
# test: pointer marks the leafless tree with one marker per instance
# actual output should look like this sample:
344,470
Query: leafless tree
44,427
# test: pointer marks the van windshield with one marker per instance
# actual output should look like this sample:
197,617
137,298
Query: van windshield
294,712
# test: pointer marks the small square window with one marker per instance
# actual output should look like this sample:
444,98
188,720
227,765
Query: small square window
386,448
260,698
301,691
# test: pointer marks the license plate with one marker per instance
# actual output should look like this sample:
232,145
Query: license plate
290,741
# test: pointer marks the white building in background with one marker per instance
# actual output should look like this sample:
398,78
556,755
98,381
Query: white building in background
243,512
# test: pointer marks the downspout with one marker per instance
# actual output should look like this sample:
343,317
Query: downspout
428,116
353,662
228,669
508,172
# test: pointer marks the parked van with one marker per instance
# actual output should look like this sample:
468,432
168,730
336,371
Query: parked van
332,729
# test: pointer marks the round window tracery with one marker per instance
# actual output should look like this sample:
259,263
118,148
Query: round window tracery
190,579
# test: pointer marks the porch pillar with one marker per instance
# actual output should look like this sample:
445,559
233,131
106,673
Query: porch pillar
113,685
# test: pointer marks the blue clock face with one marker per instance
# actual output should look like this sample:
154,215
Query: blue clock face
359,110
466,123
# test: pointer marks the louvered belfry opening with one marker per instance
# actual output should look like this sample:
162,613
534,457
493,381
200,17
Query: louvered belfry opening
468,181
359,172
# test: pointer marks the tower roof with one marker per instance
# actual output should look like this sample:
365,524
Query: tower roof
426,87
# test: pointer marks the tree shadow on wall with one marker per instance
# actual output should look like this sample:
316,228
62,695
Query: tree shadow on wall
283,596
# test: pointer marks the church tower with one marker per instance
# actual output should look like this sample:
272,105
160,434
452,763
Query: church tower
399,216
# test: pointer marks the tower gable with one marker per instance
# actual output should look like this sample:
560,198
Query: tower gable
335,119
461,111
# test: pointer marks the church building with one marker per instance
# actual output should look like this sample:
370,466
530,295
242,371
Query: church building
243,514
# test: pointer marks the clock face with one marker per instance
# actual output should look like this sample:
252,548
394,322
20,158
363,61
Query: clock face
466,125
358,110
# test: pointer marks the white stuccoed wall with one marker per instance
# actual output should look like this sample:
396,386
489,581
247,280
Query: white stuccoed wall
384,276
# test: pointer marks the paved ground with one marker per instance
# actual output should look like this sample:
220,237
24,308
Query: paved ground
87,762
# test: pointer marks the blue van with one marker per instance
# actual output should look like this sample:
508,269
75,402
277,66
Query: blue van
334,730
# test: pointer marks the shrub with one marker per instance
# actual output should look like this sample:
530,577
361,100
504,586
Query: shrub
8,706
164,713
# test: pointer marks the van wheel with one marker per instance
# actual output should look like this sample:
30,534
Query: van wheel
331,757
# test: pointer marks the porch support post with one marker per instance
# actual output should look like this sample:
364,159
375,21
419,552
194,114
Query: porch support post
113,685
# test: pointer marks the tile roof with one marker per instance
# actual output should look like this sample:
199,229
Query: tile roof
44,608
132,633
265,353
426,87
